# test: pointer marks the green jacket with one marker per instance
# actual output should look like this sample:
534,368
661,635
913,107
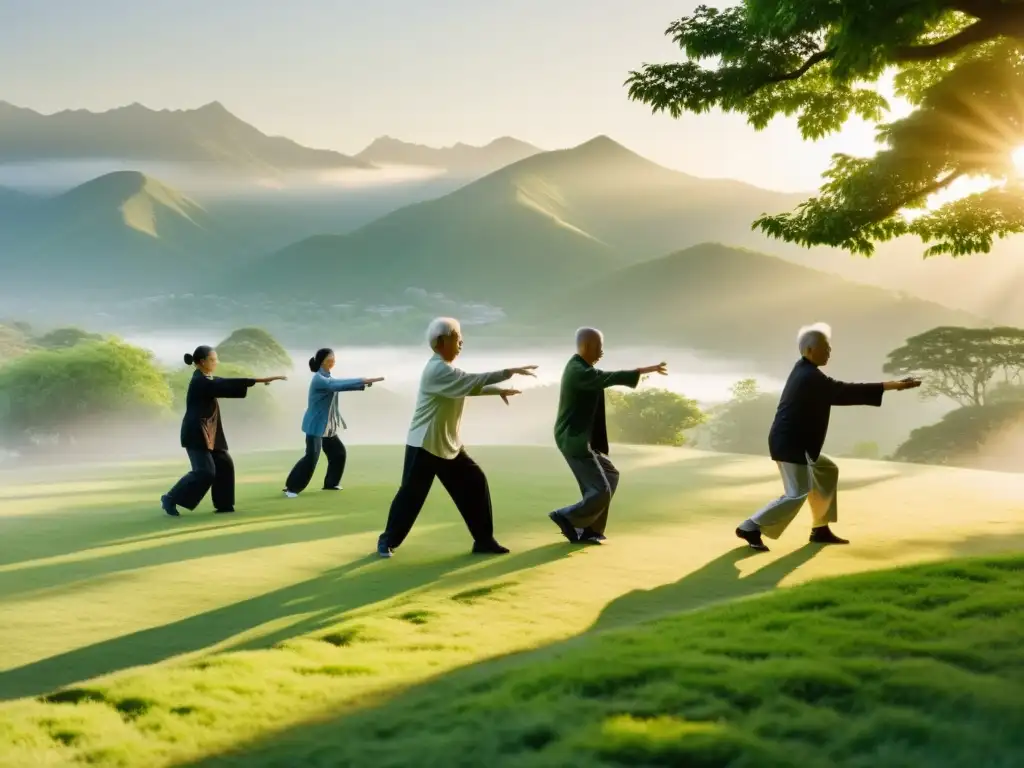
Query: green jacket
580,426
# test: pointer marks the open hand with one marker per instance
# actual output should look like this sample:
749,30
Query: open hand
909,383
505,394
371,382
526,370
660,368
269,379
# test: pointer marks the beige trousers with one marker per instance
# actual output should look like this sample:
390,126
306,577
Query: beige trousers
815,482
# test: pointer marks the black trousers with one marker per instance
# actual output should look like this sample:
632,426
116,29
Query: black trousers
210,469
303,470
461,477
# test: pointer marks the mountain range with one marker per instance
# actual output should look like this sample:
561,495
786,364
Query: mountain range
562,237
462,160
120,233
743,304
209,135
553,219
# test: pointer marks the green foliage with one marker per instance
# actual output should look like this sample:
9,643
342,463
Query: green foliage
745,389
62,392
962,434
651,417
961,363
741,425
959,62
63,338
255,349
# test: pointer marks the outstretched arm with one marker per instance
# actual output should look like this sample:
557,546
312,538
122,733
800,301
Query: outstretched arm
228,388
593,378
345,385
846,393
454,383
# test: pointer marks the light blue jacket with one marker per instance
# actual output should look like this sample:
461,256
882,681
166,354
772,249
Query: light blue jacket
323,396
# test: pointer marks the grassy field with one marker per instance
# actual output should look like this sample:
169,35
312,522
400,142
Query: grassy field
273,637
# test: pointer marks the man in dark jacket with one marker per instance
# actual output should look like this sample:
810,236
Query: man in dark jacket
796,439
581,434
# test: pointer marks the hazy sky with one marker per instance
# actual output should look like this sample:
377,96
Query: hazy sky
338,73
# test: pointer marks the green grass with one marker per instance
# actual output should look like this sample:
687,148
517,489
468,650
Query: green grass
130,639
915,667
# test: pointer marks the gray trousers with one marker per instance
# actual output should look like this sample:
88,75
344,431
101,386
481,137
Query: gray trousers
815,482
598,478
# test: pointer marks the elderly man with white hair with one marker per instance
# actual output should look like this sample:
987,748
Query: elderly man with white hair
434,449
797,437
582,436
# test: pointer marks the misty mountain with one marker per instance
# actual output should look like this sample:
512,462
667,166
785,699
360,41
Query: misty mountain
208,135
545,223
462,160
747,305
989,284
122,232
14,205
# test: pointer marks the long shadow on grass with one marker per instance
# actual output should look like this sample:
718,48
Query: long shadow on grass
31,578
717,581
314,604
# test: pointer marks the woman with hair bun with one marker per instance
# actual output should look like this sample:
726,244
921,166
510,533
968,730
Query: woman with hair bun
321,424
202,437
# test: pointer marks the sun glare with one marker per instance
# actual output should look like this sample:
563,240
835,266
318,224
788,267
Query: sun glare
1018,159
960,188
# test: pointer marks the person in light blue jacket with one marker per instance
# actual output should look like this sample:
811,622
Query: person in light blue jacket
321,425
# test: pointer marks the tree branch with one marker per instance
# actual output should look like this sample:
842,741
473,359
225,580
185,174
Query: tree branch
925,192
978,32
796,74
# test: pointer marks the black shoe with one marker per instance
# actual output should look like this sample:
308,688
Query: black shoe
565,527
168,506
824,535
592,537
382,547
225,511
489,548
753,539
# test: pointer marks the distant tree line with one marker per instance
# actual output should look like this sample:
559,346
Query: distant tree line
66,384
59,385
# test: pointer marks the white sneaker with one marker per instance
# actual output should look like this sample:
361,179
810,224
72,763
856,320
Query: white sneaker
290,495
333,488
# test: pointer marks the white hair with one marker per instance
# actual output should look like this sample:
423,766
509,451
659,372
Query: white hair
439,328
810,335
582,334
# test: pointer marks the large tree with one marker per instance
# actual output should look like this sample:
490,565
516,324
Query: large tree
651,417
960,63
71,392
964,364
256,349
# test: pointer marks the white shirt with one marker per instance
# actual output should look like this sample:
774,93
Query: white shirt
438,413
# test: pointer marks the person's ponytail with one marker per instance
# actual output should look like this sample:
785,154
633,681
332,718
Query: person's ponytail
316,362
201,353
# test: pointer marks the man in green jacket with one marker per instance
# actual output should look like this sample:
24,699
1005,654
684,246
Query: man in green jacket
581,434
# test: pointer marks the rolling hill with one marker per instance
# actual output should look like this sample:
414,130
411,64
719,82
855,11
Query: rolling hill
209,134
122,231
538,225
458,160
748,305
